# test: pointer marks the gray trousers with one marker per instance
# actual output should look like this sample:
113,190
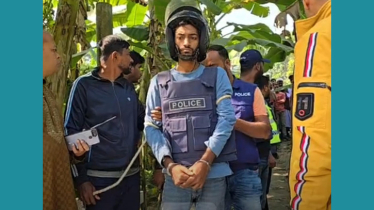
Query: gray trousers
282,123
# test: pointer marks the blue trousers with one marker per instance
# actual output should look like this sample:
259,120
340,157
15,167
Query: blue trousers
264,176
125,196
210,197
244,190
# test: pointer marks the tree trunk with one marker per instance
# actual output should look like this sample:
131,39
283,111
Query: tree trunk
80,38
156,37
63,34
71,76
152,66
104,23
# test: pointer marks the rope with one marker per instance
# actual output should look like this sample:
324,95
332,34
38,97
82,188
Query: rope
124,173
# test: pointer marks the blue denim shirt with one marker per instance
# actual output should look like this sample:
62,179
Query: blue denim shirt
226,120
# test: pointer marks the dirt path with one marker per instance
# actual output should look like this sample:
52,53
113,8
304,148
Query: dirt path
279,194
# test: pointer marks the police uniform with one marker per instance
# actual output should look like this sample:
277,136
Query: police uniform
244,187
192,117
189,116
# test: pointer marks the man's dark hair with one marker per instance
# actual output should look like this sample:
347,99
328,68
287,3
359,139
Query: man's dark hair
137,58
220,49
110,44
262,82
187,22
247,68
273,80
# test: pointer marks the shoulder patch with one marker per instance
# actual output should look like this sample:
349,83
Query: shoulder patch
304,106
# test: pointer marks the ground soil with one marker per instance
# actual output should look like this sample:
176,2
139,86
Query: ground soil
279,195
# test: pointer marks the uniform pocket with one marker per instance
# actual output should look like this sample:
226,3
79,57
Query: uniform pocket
312,104
178,134
201,131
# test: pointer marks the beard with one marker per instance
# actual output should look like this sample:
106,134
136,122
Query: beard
258,77
125,70
187,57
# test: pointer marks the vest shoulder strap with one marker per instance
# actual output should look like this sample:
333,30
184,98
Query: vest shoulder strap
209,76
163,78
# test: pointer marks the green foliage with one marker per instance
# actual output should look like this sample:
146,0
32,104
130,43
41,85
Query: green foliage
140,32
111,2
90,31
257,34
257,9
133,16
212,7
160,7
282,70
49,7
281,4
242,35
78,56
227,7
151,189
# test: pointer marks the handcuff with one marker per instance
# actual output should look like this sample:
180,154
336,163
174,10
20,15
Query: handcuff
169,166
174,164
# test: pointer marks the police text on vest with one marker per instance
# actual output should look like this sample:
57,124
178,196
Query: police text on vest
187,104
243,94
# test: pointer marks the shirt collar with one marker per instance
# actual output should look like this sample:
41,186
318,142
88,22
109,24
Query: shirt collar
121,80
236,83
303,26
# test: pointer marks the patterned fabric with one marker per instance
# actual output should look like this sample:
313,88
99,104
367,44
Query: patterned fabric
58,189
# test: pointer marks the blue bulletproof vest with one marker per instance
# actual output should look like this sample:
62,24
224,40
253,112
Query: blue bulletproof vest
189,116
242,100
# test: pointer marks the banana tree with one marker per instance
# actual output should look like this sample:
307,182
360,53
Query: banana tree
49,7
140,34
242,36
63,32
294,8
138,31
215,10
132,15
80,41
63,27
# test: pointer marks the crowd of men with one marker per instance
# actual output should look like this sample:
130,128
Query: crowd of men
214,136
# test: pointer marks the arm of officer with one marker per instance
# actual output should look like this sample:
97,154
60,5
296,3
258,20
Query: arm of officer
153,134
74,122
260,128
226,117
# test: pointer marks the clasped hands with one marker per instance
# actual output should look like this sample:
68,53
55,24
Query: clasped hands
182,176
193,177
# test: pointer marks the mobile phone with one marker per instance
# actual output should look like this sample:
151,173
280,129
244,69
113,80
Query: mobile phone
91,137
